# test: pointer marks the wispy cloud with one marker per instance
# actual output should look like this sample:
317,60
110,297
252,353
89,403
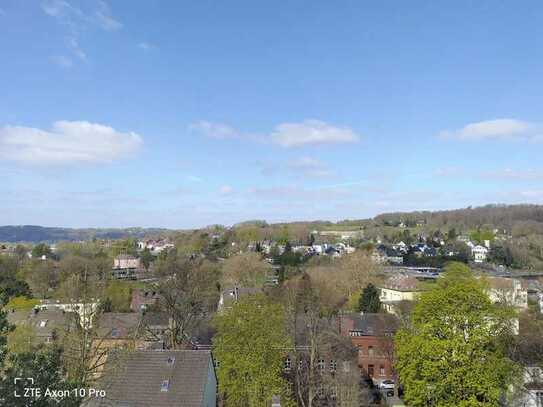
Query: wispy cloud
312,132
498,129
103,17
305,133
97,14
68,142
304,167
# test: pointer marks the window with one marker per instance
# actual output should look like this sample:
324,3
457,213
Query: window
539,399
288,364
370,370
300,364
320,391
381,370
43,323
370,351
333,365
165,385
171,360
321,364
114,333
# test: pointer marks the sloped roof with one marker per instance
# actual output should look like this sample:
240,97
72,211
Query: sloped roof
118,324
138,379
374,324
402,283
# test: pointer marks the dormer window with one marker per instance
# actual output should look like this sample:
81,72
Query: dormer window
165,385
171,360
114,333
43,323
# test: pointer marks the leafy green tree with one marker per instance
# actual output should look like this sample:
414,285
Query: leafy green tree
250,346
454,351
41,249
10,283
5,329
45,367
369,300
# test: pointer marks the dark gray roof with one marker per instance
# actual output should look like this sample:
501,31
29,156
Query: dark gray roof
138,377
374,324
118,324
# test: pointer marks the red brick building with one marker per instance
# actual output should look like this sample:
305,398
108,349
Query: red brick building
373,335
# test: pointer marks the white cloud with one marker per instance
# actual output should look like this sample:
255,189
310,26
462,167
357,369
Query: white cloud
498,129
226,190
68,142
312,132
307,132
62,61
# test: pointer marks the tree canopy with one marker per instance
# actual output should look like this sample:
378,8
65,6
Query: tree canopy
250,346
453,353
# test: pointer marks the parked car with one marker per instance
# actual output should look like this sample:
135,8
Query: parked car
387,385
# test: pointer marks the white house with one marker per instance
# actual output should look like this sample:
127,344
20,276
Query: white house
396,289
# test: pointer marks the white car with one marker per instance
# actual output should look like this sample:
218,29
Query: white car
387,385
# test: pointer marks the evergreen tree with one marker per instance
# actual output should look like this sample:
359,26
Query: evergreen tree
369,300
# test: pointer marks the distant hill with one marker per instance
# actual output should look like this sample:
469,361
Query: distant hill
33,234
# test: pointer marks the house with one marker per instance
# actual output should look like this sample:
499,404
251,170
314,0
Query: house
85,310
509,290
322,353
396,289
47,325
143,299
479,253
154,330
126,261
125,267
373,335
148,378
384,254
532,389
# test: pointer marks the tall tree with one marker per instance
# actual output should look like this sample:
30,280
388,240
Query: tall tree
250,346
188,296
369,300
453,352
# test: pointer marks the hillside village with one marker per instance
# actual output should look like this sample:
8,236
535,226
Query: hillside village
154,313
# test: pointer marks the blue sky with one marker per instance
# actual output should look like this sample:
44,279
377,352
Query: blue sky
182,114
